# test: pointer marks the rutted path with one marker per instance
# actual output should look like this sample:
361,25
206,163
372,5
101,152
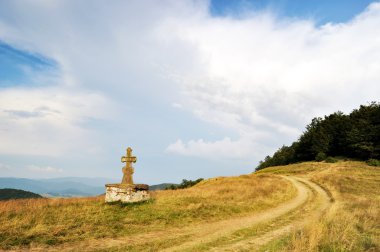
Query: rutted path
213,231
324,202
209,232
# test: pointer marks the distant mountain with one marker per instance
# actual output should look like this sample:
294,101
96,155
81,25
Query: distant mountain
67,187
96,182
7,193
160,186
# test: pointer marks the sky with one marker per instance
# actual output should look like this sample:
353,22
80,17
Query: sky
196,88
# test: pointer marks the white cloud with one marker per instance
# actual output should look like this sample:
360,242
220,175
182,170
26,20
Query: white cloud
46,169
225,148
47,121
260,77
265,78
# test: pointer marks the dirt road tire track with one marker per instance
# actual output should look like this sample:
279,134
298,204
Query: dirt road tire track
213,231
208,232
324,202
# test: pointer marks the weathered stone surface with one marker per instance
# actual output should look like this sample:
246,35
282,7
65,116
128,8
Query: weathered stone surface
127,193
128,170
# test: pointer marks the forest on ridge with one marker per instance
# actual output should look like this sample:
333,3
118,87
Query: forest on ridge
354,136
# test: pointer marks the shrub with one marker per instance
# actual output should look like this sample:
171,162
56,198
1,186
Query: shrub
331,160
373,162
320,156
185,184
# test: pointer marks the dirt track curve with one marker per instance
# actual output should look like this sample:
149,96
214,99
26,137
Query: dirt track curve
206,233
324,202
213,231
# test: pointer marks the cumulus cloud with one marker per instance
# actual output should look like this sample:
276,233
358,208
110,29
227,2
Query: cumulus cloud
265,78
225,148
108,60
47,121
259,77
45,169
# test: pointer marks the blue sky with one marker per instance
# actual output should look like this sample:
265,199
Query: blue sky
14,59
16,65
321,11
196,88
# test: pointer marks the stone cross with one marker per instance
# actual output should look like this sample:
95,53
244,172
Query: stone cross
128,170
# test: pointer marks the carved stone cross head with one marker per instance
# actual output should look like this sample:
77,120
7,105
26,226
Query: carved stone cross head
128,169
128,159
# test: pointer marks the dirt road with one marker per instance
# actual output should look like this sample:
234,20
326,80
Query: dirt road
322,200
206,236
212,231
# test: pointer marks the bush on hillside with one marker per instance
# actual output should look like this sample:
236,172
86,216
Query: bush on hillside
320,156
331,160
185,184
373,162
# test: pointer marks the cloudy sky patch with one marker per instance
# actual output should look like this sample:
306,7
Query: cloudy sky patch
47,169
197,88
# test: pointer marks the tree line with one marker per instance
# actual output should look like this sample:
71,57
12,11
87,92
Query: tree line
185,184
355,136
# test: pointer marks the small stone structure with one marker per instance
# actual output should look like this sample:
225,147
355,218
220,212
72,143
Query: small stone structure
126,191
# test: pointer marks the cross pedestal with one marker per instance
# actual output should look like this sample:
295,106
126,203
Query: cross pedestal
126,191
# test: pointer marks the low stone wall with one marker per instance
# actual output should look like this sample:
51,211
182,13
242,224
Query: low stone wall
127,193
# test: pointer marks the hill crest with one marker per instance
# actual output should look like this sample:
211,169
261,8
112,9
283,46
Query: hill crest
9,193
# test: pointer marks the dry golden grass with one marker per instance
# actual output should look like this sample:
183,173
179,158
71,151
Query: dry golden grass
353,222
41,222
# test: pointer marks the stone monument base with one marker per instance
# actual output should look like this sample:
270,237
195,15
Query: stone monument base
127,193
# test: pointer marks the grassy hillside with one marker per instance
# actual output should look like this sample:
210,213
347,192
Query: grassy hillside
245,213
353,221
7,194
42,222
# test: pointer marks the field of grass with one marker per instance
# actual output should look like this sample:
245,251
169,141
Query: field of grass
353,221
346,218
52,222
